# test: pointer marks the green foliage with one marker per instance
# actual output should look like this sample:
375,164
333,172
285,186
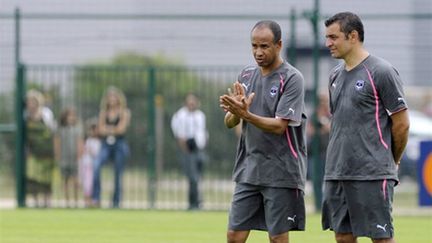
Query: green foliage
7,101
133,74
7,141
6,156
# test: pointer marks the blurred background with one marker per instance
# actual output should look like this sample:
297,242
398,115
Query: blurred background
158,51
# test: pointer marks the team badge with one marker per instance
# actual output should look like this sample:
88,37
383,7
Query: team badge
359,85
273,91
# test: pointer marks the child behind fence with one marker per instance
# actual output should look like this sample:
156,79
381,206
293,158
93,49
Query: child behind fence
70,144
92,146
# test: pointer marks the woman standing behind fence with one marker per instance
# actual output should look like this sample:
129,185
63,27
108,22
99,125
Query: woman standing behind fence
70,144
114,118
39,149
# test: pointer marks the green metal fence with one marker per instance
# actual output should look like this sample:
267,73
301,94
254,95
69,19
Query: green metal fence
153,177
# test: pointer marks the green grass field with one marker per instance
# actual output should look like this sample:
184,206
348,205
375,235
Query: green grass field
130,226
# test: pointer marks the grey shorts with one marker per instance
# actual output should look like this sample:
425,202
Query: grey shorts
362,208
276,210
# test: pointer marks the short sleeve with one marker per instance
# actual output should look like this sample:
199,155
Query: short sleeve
290,105
332,78
390,90
175,123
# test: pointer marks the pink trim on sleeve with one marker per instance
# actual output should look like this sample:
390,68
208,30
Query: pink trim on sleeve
282,82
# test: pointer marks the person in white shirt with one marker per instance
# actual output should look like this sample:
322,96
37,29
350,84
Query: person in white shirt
48,118
188,125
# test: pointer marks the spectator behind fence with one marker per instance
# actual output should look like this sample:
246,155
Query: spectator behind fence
39,149
91,150
270,167
114,118
316,162
323,116
69,142
189,128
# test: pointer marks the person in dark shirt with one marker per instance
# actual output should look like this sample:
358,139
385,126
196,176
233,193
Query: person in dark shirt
270,167
368,134
114,118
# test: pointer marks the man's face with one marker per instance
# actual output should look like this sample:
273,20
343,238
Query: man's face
191,102
264,50
337,42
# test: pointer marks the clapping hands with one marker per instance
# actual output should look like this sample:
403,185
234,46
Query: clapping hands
236,101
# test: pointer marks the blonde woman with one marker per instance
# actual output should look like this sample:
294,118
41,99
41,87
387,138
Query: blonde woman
114,118
39,149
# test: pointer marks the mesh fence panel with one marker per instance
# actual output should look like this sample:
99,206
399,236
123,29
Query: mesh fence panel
65,86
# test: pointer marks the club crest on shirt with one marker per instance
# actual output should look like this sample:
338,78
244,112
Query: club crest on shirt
273,91
359,85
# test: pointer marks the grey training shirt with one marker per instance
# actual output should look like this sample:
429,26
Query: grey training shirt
361,101
265,158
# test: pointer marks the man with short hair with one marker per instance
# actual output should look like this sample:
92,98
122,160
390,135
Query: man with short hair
270,168
369,130
188,125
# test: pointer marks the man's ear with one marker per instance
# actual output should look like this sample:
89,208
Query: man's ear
353,35
279,43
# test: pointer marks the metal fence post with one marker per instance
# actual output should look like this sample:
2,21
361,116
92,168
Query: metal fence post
17,18
20,164
317,164
151,139
20,137
292,55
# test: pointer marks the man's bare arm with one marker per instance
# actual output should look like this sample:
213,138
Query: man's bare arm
400,129
231,120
